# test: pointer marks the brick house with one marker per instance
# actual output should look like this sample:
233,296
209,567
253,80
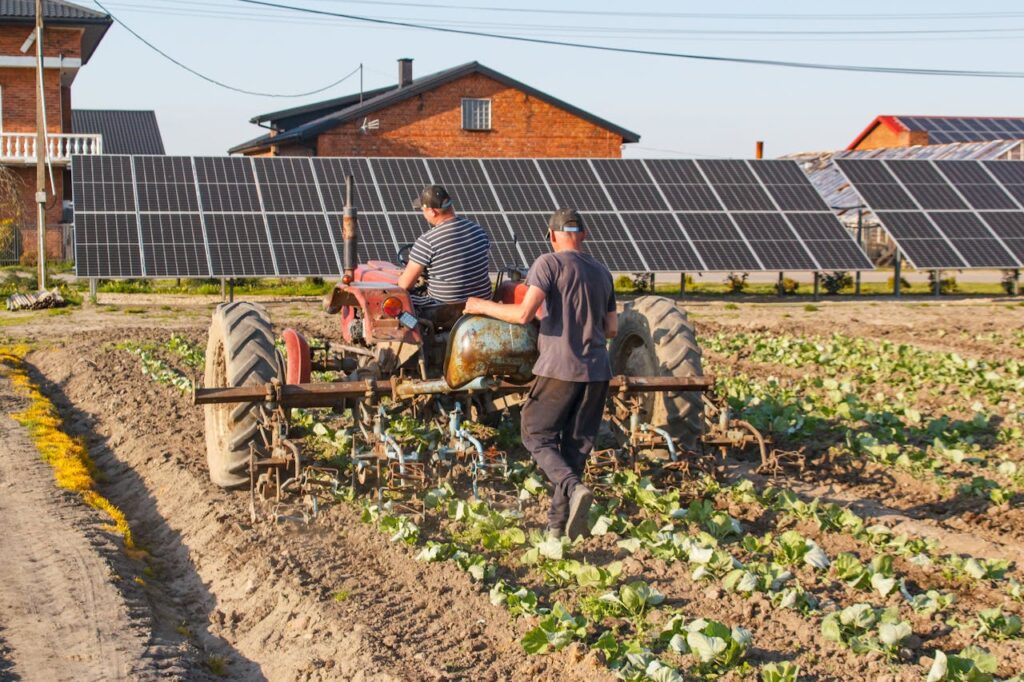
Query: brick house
70,36
910,131
469,110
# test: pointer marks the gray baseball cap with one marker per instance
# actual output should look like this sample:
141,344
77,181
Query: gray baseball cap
566,220
432,196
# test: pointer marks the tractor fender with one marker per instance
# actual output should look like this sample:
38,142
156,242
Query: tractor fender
298,359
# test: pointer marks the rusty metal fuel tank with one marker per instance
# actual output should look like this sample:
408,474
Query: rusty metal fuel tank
485,347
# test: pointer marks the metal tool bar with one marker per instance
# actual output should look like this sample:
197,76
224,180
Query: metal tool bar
328,394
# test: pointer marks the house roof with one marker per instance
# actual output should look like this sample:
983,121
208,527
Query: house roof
420,85
59,13
837,191
295,116
124,132
949,129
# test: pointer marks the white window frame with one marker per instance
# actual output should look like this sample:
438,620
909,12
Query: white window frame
471,113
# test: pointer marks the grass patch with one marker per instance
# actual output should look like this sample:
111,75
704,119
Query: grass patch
56,312
341,595
135,311
73,469
811,308
731,306
218,665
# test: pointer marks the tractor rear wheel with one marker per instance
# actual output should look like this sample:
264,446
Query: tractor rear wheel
240,352
656,338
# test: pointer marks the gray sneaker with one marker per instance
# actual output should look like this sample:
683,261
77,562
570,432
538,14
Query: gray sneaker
579,508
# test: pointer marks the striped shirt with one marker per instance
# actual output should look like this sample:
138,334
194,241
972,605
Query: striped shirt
456,256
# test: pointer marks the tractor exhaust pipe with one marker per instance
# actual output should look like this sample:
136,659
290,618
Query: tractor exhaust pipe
349,239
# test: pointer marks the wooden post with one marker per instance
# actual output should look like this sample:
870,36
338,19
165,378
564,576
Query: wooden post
778,287
938,282
231,290
93,296
223,290
40,150
1015,284
682,284
817,284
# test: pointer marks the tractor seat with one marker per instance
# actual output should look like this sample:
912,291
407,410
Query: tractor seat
442,316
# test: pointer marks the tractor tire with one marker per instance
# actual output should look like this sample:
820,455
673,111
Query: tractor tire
240,352
655,338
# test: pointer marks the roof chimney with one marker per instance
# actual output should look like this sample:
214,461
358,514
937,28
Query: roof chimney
404,72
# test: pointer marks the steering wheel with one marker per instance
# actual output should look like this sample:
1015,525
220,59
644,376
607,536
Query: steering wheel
403,253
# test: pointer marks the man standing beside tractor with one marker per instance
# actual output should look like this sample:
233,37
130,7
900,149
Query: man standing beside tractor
562,414
454,253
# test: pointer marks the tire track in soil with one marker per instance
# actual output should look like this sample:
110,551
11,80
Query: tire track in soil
62,616
260,594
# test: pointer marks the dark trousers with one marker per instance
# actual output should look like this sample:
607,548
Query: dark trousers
559,424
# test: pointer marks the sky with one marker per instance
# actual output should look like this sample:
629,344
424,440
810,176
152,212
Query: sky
680,107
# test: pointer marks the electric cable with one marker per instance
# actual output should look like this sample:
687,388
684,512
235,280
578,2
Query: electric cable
654,53
215,81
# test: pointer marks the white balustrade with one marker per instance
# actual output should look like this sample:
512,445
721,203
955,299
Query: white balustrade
19,148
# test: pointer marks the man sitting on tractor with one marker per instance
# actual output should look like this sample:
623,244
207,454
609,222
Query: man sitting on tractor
562,414
454,254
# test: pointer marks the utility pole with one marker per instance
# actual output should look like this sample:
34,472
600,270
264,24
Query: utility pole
40,150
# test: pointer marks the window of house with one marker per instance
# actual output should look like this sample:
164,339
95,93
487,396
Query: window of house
476,114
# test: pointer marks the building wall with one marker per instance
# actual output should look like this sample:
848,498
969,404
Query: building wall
18,102
430,124
883,137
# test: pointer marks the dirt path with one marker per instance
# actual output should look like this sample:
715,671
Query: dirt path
61,616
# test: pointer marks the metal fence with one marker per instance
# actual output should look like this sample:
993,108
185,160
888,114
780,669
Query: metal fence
10,252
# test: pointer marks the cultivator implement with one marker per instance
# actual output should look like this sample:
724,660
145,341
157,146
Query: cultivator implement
385,461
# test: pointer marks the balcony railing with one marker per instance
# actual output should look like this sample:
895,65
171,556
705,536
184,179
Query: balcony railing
20,148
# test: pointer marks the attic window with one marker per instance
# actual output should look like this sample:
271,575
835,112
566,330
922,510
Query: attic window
476,114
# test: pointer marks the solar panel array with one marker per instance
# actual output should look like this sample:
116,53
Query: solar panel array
238,216
946,214
947,129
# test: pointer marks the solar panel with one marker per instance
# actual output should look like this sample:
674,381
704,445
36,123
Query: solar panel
400,181
629,185
173,245
286,185
281,216
574,184
944,226
945,129
518,185
107,245
330,176
466,183
104,184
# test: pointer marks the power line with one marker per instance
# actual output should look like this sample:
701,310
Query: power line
652,53
199,9
214,81
700,15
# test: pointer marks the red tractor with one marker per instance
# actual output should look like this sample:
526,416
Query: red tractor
445,368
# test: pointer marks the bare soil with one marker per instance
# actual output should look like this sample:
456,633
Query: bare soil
220,596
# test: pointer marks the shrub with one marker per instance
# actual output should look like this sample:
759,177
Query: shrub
623,283
1009,281
836,281
789,286
947,285
904,284
735,283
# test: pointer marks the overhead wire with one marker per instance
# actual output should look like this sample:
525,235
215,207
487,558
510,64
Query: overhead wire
214,81
961,73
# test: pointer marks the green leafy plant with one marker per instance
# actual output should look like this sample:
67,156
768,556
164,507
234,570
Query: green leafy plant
780,672
736,283
554,631
972,664
834,282
994,624
519,601
863,629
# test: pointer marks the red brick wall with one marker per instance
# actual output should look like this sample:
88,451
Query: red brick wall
18,90
54,211
431,125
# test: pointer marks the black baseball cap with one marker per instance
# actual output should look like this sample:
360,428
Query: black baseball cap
432,196
566,220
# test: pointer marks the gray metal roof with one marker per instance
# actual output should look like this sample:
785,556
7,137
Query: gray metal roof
59,13
833,186
292,117
124,132
419,86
